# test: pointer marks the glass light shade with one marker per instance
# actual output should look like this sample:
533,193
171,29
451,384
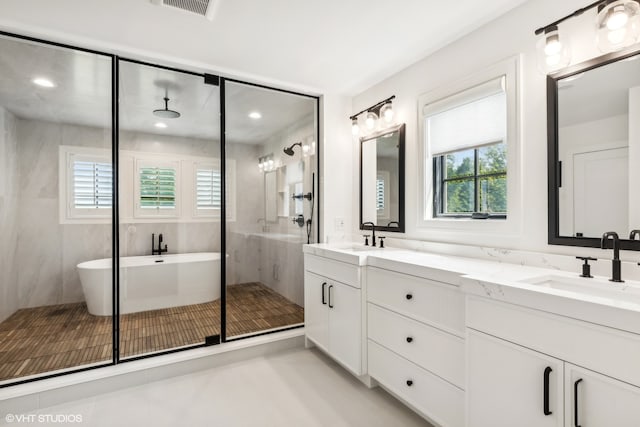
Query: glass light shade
355,129
371,120
554,51
617,25
386,112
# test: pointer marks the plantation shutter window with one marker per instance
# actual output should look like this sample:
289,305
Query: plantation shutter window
157,188
92,185
208,189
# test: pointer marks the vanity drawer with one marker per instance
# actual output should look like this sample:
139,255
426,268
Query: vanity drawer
435,303
336,270
601,349
437,351
437,399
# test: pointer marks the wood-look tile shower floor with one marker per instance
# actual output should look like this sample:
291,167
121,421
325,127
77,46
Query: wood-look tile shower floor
43,339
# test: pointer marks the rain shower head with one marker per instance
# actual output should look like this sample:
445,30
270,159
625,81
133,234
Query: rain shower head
165,113
289,150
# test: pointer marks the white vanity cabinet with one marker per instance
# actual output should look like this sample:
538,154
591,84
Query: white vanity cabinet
522,371
599,400
510,385
415,342
333,310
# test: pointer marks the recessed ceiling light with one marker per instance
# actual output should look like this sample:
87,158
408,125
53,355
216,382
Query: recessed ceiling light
161,125
255,115
43,82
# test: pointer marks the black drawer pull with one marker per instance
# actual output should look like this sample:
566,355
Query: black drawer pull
409,296
330,303
545,409
324,285
409,383
409,339
575,403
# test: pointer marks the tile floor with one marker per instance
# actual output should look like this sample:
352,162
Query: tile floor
43,339
296,388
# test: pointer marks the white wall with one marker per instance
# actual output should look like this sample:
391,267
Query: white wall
338,158
506,37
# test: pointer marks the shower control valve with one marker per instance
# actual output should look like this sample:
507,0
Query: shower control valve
298,220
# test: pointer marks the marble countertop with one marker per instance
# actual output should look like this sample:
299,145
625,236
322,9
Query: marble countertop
601,302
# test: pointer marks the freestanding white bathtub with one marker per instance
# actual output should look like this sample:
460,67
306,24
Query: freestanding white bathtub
152,282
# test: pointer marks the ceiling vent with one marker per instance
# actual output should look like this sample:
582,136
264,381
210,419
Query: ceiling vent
201,7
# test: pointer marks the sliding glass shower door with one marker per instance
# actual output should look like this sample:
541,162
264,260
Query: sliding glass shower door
271,206
170,207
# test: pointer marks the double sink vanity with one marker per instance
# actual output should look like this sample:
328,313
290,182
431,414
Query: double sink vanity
478,343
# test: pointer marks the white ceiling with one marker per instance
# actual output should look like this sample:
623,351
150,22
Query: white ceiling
340,46
83,96
607,85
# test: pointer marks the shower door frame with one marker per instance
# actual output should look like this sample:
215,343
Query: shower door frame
213,79
223,264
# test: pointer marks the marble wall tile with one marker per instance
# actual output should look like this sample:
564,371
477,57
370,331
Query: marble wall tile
39,253
8,214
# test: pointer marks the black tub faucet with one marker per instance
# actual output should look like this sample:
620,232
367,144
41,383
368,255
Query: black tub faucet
634,234
160,250
615,263
373,232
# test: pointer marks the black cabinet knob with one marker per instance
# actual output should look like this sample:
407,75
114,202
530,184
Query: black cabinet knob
409,296
409,383
409,339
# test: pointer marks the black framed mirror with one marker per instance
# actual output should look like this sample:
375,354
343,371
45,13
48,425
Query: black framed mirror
382,180
593,151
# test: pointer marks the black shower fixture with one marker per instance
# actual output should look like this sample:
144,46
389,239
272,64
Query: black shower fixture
165,113
289,150
301,196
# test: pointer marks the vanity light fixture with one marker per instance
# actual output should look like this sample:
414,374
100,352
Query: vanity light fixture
617,27
370,120
266,163
383,109
553,50
386,112
308,146
43,82
355,128
617,24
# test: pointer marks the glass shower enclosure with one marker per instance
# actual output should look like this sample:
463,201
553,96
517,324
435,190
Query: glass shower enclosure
271,163
144,209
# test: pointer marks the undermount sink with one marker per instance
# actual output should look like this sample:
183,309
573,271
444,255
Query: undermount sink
597,287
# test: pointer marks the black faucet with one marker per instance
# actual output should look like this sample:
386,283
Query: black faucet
373,232
616,265
634,234
160,249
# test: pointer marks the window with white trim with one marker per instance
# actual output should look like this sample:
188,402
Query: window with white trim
157,184
86,185
466,137
208,189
